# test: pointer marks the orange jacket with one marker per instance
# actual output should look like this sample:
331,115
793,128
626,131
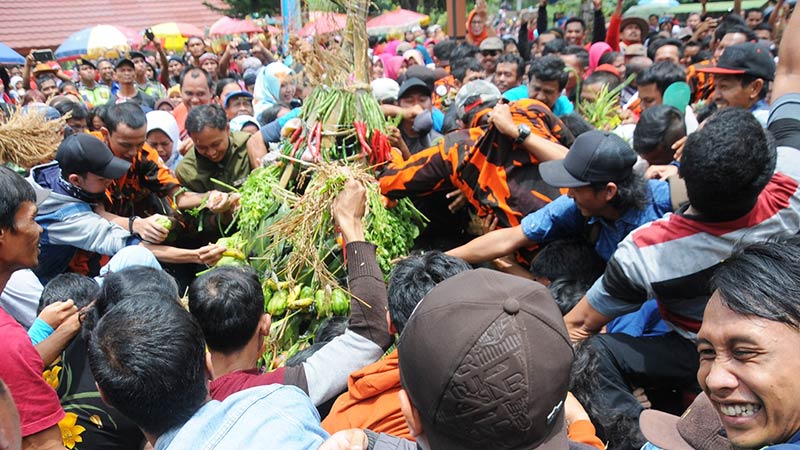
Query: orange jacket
371,401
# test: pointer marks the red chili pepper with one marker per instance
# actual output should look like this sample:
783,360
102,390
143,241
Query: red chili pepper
361,131
319,142
296,134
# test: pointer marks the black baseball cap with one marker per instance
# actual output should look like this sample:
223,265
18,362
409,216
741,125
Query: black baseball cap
595,157
413,83
83,152
124,62
86,62
747,58
134,54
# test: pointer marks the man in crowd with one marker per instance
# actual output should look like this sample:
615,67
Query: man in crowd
546,80
106,70
658,129
509,77
666,50
142,384
417,131
741,78
94,93
154,89
655,80
491,49
125,72
238,103
196,89
753,17
20,364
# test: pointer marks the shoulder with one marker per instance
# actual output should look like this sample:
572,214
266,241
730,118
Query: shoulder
239,139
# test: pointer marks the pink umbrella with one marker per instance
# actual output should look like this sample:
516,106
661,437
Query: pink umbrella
328,23
397,20
227,25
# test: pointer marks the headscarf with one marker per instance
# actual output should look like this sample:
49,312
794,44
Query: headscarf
596,51
165,122
266,92
476,39
391,65
414,54
391,48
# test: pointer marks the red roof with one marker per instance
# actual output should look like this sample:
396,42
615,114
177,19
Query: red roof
28,24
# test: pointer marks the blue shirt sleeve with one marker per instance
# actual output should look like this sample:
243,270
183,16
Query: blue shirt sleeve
559,218
662,201
438,119
39,331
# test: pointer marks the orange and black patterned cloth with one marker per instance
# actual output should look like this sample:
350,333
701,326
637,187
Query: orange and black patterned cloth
701,83
145,189
444,91
495,175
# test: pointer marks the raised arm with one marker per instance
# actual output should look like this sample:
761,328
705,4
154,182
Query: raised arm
541,18
542,149
599,26
787,74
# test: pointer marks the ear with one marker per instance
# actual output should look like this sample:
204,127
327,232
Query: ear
264,324
74,179
611,191
755,88
105,133
209,366
390,325
411,414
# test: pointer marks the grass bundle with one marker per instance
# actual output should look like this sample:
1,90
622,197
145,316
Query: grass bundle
28,139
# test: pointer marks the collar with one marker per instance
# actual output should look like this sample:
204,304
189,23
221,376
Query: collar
78,193
631,217
760,105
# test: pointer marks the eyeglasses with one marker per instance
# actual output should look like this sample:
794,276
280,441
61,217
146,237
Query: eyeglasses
490,52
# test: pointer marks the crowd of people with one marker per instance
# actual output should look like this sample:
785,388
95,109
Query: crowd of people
624,282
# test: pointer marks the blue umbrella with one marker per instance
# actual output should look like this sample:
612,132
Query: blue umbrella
9,56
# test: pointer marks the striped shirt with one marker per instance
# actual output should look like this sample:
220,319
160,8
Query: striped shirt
673,259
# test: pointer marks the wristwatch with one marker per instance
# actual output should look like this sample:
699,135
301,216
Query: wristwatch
524,132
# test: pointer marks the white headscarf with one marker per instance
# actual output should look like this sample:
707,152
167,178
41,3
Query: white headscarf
164,121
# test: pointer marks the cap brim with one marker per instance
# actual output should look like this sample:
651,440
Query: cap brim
722,71
661,429
41,195
555,174
115,169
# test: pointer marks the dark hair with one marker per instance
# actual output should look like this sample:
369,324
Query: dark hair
581,54
549,68
763,280
127,113
64,85
752,10
763,26
568,259
632,193
195,72
228,303
554,47
509,58
575,20
412,279
460,67
147,355
270,114
220,85
576,124
658,43
603,77
727,163
97,111
660,125
444,50
607,58
747,80
557,32
568,292
211,115
739,27
117,285
663,74
80,288
464,50
15,192
78,111
509,41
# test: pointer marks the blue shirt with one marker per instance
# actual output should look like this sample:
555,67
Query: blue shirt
272,416
561,219
563,106
516,93
792,444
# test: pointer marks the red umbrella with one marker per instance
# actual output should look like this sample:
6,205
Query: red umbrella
328,23
227,25
397,20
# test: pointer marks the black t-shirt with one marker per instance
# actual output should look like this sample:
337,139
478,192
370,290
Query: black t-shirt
105,428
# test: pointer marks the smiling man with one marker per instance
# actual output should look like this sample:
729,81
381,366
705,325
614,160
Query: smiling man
748,346
217,151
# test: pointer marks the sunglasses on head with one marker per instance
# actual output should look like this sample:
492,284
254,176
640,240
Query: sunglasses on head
490,52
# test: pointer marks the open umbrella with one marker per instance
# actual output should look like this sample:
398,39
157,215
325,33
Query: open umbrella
399,20
227,25
9,56
95,42
175,34
325,23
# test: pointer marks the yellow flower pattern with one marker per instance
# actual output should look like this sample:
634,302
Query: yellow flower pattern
70,432
51,376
